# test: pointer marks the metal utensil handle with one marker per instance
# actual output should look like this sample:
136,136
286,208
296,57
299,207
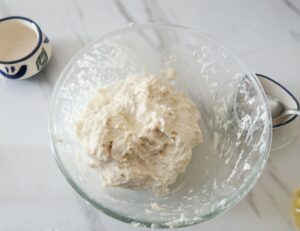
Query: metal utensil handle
291,112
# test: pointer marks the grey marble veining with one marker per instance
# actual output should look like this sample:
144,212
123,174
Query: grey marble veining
35,196
293,6
123,11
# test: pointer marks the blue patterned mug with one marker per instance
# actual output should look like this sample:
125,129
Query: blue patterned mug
24,49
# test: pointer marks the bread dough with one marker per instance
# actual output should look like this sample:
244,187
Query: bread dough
140,132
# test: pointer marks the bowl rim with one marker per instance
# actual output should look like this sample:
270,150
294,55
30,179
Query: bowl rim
231,201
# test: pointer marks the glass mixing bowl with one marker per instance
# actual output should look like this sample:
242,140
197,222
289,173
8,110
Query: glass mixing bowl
235,121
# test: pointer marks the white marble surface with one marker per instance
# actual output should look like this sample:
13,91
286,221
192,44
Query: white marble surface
33,193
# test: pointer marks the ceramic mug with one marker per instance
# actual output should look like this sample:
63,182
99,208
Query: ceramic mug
24,49
283,133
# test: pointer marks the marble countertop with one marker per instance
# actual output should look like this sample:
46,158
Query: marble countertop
34,194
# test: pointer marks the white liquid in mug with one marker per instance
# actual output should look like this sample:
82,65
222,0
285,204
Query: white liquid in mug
17,39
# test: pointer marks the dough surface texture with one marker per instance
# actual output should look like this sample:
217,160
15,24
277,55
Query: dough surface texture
139,133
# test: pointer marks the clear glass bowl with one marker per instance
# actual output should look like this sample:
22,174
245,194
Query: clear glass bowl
236,122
